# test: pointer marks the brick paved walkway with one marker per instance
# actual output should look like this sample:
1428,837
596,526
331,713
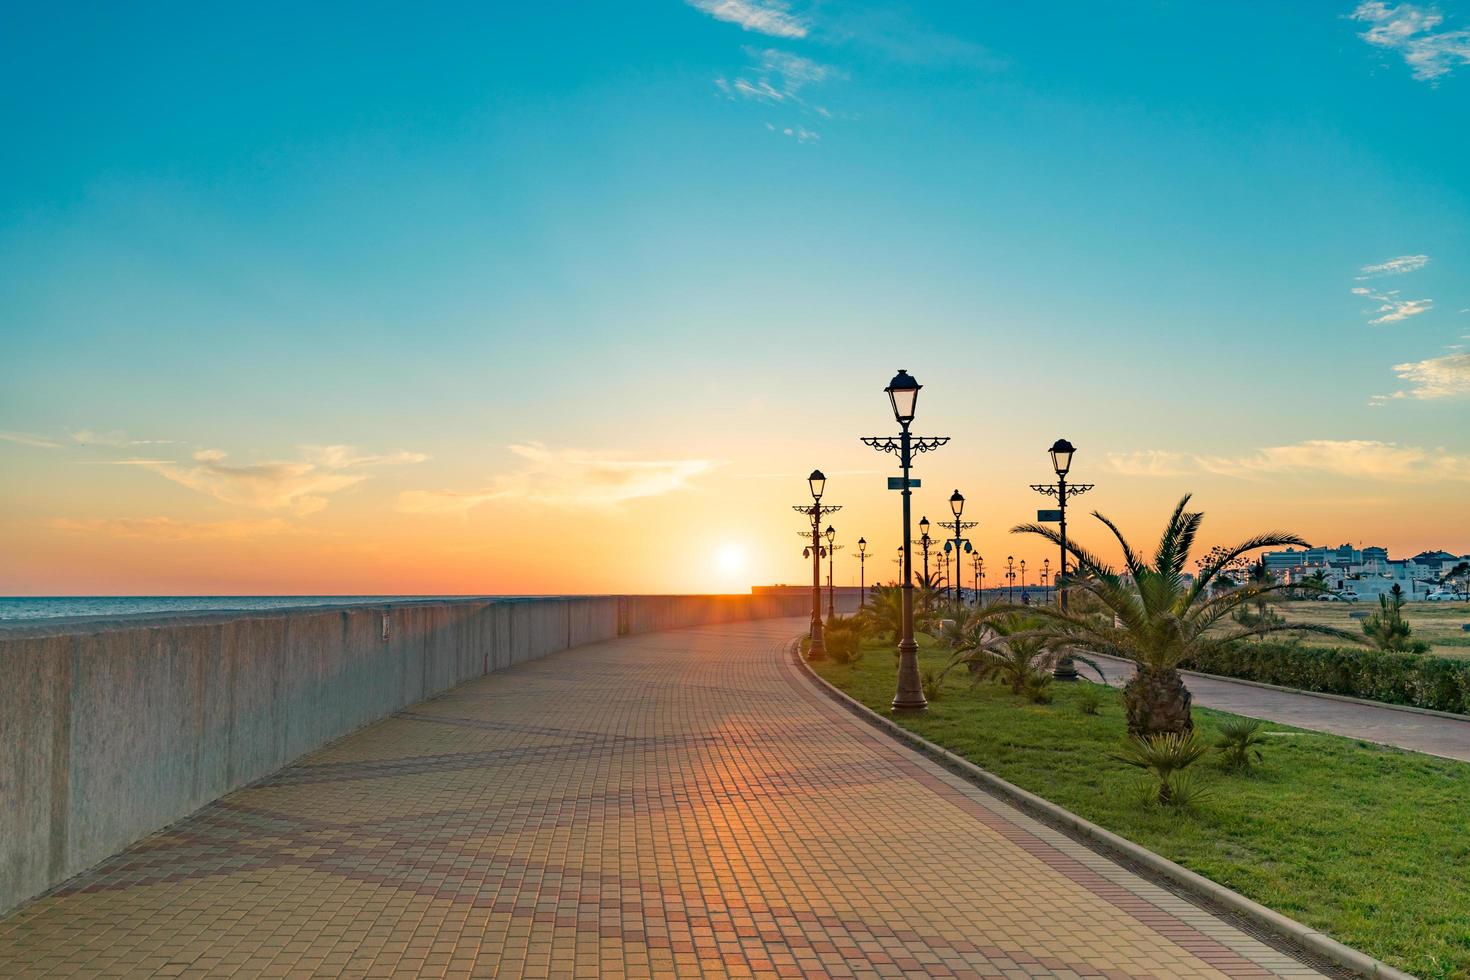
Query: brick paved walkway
1412,730
677,804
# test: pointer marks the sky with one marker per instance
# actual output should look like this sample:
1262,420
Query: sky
570,297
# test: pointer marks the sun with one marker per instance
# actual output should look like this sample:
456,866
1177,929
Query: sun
730,558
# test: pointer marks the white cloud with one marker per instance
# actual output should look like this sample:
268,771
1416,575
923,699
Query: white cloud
1355,458
1410,30
301,487
762,16
1437,377
29,439
115,439
1366,459
1150,462
565,478
169,529
1394,267
778,77
1393,309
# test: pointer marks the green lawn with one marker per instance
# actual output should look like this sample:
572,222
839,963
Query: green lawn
1370,845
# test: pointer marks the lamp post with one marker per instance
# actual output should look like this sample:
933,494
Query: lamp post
831,579
1045,573
816,510
862,557
1061,461
923,543
903,395
1023,575
958,542
1010,578
979,563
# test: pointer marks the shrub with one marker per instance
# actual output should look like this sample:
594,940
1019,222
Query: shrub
933,681
1240,739
1038,690
1396,678
1165,757
844,643
1089,700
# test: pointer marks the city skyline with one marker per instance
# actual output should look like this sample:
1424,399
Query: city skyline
571,299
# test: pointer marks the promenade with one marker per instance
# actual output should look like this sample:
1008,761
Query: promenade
681,804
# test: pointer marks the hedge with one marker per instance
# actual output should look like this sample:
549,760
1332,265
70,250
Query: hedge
1397,678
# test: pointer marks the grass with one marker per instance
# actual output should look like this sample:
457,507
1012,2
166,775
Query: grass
1366,843
1437,622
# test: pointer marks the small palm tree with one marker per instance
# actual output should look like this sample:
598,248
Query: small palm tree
883,613
1008,649
1165,757
1387,627
1240,740
1158,619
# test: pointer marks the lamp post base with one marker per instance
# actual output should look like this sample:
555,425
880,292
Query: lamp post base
910,696
816,650
1065,670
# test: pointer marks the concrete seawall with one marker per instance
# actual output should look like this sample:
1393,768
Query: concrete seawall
110,730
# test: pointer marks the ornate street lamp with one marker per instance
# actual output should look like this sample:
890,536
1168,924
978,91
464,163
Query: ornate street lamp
923,541
1010,578
862,557
816,510
903,395
1045,573
1061,461
832,549
959,543
979,561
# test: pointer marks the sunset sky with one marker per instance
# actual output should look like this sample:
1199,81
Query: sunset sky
570,297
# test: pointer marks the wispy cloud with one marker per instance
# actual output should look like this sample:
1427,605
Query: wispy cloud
169,529
1410,30
778,78
301,487
1394,267
1367,459
29,439
799,133
1150,462
1393,309
895,36
770,17
114,439
1437,377
565,478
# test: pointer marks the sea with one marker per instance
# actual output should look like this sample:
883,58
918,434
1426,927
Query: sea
31,608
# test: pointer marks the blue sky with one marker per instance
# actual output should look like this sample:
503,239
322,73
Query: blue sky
711,229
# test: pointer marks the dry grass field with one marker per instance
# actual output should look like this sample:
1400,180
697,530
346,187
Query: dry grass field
1437,622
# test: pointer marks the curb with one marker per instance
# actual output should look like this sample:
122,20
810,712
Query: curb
1268,919
1412,709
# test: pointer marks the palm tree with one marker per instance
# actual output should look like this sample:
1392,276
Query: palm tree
1388,629
1008,649
1161,619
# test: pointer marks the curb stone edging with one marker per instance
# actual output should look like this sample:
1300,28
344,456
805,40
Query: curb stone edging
1268,919
1327,695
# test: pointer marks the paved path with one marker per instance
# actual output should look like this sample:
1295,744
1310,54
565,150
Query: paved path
678,804
1432,734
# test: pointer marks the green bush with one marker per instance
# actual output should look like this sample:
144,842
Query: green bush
843,643
1089,701
1396,678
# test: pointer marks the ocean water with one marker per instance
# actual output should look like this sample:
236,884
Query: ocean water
30,609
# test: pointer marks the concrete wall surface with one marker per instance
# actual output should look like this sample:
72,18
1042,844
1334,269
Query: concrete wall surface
111,729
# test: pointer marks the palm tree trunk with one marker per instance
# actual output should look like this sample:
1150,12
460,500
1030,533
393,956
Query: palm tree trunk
1157,703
